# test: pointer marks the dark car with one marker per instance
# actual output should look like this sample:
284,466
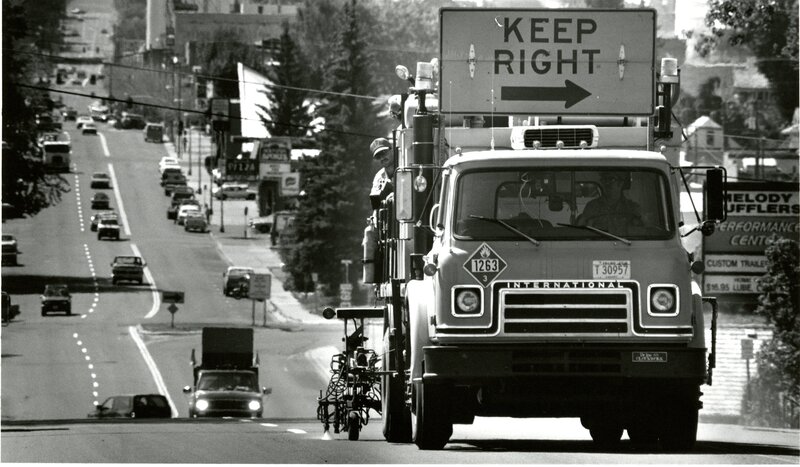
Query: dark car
69,113
128,268
9,310
234,277
100,201
170,172
133,406
130,121
100,180
171,181
56,297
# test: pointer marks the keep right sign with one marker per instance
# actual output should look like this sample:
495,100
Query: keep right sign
548,61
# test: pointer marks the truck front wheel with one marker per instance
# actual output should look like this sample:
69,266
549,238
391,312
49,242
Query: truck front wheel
430,420
395,412
679,431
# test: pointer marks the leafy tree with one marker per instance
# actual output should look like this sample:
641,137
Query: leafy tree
332,214
779,359
289,113
616,4
769,29
24,183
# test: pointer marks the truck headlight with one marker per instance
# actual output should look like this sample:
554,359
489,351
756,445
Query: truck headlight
254,405
201,404
663,300
467,301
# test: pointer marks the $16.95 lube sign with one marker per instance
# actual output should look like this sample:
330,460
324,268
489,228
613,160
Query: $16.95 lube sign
541,61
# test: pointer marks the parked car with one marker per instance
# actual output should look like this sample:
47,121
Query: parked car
233,277
9,311
127,268
167,161
101,215
82,120
56,297
234,191
100,180
172,210
133,406
184,210
89,127
108,228
154,132
100,201
195,221
172,181
10,250
170,172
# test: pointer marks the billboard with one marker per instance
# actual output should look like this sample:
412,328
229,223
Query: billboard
734,255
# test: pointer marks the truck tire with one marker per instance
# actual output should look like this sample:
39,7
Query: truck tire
430,420
353,426
679,429
395,412
606,435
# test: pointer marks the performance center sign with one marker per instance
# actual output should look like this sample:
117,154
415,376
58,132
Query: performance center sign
543,61
734,255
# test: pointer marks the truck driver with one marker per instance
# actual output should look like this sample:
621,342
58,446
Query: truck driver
612,211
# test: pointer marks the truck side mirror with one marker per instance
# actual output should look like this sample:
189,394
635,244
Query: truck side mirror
715,200
266,391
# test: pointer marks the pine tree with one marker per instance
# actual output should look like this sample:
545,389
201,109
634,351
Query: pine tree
332,215
289,112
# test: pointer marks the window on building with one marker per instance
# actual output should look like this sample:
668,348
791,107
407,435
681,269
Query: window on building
709,138
260,10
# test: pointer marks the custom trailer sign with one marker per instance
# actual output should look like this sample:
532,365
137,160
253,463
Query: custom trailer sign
548,62
734,256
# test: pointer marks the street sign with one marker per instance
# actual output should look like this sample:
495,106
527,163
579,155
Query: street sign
747,349
260,286
547,61
172,308
171,297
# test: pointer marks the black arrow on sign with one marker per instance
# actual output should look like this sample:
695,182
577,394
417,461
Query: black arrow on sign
570,93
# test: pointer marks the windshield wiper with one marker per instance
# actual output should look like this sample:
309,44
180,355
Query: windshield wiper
507,226
596,230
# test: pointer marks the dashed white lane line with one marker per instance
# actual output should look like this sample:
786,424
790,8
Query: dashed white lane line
78,201
92,374
96,298
296,431
268,425
103,143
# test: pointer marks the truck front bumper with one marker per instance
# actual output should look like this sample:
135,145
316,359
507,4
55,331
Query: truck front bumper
475,364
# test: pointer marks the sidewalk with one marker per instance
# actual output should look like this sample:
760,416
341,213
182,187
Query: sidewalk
238,244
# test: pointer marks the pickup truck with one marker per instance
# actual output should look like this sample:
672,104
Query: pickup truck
127,268
226,381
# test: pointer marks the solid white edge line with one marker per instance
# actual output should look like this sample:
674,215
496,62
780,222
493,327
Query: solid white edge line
118,195
106,152
152,282
148,360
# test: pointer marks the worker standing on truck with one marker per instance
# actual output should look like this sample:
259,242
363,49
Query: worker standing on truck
612,210
382,182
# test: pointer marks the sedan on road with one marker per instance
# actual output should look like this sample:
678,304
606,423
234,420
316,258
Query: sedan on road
89,128
184,211
100,180
133,406
234,277
167,161
82,120
100,201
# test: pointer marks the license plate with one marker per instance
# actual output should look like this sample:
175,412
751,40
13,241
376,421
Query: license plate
649,357
611,269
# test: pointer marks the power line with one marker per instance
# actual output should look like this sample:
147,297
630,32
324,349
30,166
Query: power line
208,77
181,109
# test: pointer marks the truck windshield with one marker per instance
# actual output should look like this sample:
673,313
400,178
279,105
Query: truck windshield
546,204
227,382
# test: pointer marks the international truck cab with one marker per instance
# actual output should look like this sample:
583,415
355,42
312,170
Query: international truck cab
531,262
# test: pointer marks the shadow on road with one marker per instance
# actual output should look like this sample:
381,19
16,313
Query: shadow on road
26,284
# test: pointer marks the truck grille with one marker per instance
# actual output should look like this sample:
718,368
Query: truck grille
574,311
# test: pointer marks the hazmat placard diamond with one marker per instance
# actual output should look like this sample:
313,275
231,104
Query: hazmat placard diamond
485,265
